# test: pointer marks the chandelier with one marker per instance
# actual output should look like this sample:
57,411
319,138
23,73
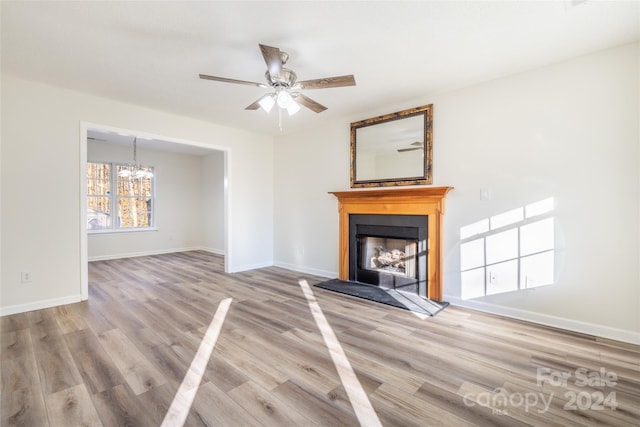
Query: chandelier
134,170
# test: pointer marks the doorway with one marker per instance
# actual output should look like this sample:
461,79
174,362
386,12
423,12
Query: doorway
101,143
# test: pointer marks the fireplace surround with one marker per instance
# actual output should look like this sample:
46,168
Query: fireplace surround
427,202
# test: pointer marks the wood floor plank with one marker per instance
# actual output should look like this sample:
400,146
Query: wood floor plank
92,317
321,409
98,371
225,375
320,377
72,407
380,372
411,409
166,359
258,370
267,408
16,344
68,320
56,367
24,407
216,408
14,322
118,406
119,358
20,373
157,401
139,373
467,410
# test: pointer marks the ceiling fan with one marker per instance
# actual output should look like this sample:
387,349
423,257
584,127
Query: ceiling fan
414,146
285,85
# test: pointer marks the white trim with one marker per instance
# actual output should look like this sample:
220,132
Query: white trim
157,252
549,320
121,230
313,271
228,259
39,305
84,247
240,268
213,250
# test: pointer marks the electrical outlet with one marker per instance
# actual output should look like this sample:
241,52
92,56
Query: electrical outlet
25,277
529,281
493,277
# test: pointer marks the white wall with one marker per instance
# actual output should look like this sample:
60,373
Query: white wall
308,166
40,180
180,202
569,130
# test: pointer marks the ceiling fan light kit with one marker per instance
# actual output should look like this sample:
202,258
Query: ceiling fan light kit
267,102
285,85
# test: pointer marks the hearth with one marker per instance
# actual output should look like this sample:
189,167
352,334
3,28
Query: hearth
389,251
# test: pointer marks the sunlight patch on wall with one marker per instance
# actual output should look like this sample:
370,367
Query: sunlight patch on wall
508,252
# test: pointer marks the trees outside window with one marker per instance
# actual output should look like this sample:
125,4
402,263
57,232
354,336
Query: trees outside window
118,200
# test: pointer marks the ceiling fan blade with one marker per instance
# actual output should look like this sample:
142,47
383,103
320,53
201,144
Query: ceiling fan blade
327,82
272,57
402,150
256,104
226,80
308,102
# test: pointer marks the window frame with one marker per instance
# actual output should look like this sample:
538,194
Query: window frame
113,201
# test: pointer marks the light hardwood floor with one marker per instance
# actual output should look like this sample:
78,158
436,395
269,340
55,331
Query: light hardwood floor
119,358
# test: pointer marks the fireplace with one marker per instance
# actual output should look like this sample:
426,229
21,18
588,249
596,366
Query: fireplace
425,204
389,251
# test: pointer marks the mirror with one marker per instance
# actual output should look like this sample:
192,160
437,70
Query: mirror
394,149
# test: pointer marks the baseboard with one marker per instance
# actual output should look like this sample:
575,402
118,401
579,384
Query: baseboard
39,305
549,320
156,252
241,268
306,270
212,250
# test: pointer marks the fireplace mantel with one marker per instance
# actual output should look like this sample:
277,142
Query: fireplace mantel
406,201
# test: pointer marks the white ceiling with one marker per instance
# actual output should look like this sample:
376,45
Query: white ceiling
150,53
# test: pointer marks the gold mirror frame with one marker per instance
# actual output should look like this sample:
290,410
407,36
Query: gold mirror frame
392,142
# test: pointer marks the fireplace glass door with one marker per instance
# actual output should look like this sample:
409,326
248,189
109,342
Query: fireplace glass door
389,251
388,262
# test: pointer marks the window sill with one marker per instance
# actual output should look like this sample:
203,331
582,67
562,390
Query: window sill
122,230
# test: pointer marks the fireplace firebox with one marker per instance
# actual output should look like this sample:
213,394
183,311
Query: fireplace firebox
389,251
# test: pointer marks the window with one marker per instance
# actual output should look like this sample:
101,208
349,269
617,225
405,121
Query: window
112,189
508,252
